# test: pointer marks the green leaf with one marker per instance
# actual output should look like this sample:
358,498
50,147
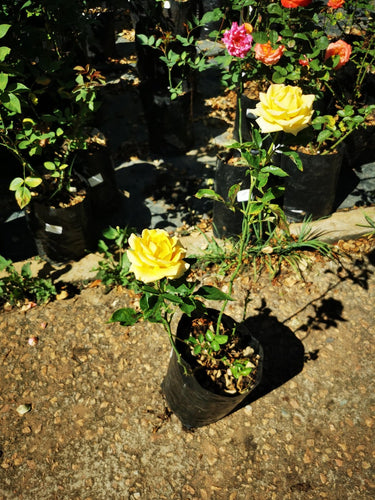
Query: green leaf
197,349
4,51
24,144
208,193
3,81
275,9
210,336
151,306
110,233
26,270
232,193
49,165
260,37
294,75
18,87
12,103
102,246
149,289
33,182
16,183
294,156
23,196
221,339
4,29
175,299
215,345
125,316
278,78
322,43
275,171
188,305
324,135
214,15
212,293
143,39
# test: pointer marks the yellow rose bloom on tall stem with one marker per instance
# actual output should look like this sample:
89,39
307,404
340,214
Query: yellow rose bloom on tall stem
284,108
155,255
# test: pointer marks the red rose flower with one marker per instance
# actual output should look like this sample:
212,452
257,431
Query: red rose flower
335,4
304,61
292,4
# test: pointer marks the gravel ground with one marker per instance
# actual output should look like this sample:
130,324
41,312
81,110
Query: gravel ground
98,427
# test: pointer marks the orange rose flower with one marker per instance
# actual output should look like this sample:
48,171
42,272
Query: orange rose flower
335,4
293,4
266,54
341,49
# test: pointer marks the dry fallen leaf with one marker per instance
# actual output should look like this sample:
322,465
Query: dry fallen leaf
62,295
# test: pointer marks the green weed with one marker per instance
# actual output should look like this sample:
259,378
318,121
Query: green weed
113,270
16,288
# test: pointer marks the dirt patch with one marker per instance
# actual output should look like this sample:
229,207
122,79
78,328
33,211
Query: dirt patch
99,427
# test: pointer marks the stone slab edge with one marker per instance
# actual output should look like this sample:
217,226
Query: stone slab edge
343,225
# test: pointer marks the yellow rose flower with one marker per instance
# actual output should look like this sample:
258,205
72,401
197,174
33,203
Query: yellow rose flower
285,108
155,255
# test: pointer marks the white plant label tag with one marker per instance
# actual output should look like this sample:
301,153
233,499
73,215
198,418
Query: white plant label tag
166,4
95,180
50,228
243,195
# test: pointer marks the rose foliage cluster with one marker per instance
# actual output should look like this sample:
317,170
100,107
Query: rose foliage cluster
325,50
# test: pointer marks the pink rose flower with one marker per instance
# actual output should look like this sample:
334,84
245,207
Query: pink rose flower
237,40
341,49
266,54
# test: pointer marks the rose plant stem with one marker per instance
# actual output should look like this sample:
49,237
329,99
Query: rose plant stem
243,243
246,223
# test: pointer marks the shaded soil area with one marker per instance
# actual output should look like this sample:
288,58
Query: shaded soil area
99,427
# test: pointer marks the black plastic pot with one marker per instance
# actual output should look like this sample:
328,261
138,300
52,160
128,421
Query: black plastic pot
169,122
227,223
312,192
194,405
95,165
62,234
360,145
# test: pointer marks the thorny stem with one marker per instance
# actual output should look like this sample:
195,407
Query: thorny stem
166,322
243,244
13,150
245,233
271,149
362,70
